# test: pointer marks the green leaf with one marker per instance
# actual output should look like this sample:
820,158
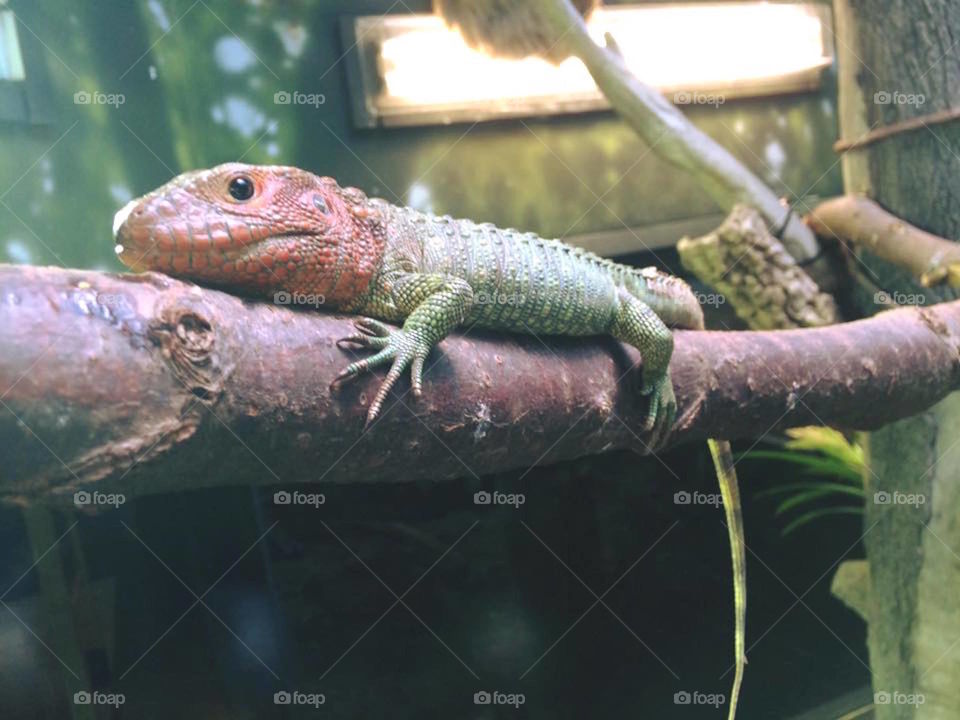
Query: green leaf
813,493
815,451
814,514
810,463
840,488
827,441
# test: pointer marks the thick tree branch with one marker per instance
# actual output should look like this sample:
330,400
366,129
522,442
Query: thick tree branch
147,384
859,220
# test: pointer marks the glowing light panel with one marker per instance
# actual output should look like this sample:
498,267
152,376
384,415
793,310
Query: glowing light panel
423,69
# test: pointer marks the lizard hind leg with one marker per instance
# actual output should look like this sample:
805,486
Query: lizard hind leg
636,324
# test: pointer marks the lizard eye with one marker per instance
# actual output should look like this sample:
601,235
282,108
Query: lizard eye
241,188
320,204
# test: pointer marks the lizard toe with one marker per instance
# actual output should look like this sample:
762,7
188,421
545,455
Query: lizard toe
662,426
651,419
416,375
662,412
396,370
662,406
354,369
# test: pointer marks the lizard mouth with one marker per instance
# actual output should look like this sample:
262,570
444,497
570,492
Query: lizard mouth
126,257
215,248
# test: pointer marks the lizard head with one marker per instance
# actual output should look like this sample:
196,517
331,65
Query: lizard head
254,229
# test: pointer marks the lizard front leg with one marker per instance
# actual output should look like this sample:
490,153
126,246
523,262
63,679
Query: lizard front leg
435,305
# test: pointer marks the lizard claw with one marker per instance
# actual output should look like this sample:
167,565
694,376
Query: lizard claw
373,333
369,326
363,341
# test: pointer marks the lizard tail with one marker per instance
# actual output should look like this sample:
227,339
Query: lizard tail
727,478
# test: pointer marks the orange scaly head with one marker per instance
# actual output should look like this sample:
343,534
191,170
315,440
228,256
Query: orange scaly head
257,230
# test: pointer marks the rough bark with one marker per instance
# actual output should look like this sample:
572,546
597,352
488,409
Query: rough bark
753,271
141,383
914,619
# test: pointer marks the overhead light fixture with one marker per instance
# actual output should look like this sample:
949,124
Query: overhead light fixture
414,70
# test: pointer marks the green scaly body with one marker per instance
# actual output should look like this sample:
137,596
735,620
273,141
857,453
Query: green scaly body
295,232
